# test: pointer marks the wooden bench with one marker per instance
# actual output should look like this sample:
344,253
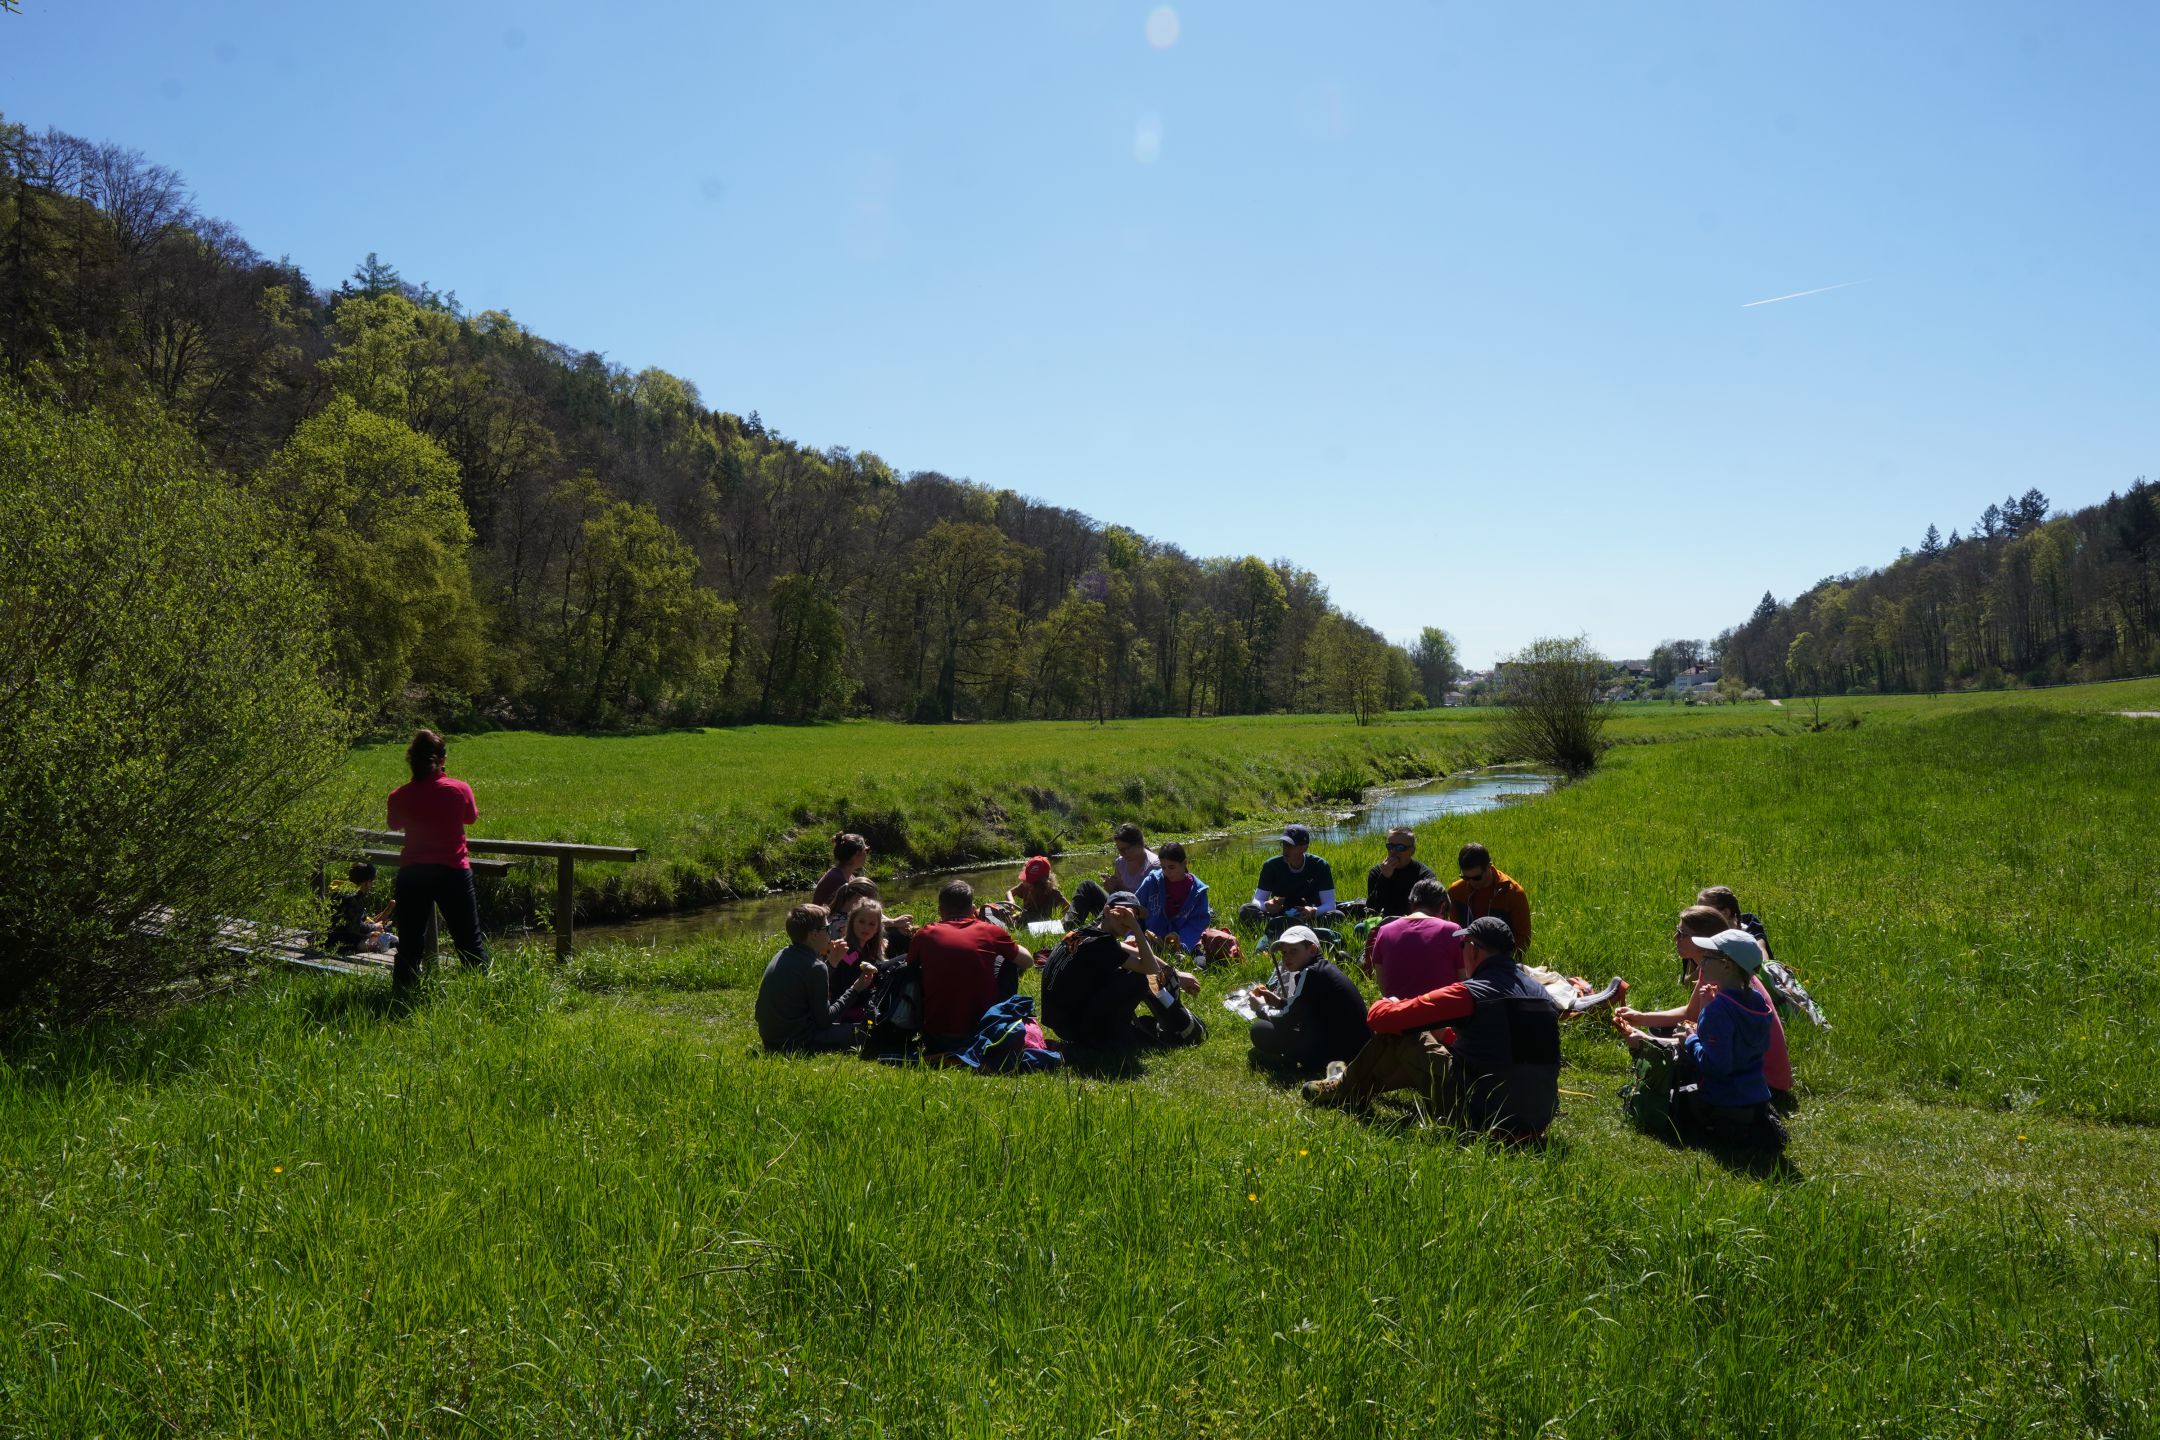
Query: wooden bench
565,853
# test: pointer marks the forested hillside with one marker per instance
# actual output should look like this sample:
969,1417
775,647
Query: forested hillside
2025,598
508,529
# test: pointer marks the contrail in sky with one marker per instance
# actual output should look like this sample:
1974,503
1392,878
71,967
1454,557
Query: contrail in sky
1797,294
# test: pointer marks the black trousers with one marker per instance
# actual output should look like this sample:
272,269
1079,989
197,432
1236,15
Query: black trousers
421,891
1104,1018
1277,1047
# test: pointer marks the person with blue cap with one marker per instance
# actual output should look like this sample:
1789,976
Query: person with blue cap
1296,887
1716,1072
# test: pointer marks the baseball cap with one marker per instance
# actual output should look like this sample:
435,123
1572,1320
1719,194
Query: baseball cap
1491,934
1123,899
1296,835
1737,946
1298,935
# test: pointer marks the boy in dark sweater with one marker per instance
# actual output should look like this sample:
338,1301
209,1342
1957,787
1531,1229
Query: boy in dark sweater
1320,1019
796,1009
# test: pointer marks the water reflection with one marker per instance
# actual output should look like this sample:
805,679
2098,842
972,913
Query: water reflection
1341,840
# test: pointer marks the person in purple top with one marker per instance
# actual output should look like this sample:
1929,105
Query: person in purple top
1134,860
850,853
1418,952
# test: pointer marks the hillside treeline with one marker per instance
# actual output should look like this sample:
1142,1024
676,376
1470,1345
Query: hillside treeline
511,530
2026,598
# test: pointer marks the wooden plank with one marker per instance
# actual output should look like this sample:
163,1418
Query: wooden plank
556,848
496,868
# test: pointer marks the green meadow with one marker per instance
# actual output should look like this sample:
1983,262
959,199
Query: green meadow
730,812
578,1201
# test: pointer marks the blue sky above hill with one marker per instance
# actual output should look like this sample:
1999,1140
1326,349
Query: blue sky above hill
1448,303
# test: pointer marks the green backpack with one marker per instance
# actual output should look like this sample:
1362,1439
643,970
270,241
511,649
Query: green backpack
1646,1099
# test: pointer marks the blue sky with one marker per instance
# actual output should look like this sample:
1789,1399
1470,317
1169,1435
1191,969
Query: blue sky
1444,302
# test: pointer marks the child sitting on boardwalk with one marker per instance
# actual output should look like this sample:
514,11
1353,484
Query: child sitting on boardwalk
354,929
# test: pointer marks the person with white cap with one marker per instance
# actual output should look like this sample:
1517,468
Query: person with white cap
1317,1017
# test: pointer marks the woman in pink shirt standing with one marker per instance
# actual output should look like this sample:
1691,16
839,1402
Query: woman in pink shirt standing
433,870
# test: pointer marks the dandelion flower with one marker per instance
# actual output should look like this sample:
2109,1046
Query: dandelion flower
280,1169
1303,1153
1252,1197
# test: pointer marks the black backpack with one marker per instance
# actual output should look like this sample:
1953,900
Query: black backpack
895,1011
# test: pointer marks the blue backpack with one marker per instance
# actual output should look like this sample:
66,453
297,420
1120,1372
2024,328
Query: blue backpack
1000,1042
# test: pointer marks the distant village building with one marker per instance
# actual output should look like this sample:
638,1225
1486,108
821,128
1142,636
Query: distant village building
1696,677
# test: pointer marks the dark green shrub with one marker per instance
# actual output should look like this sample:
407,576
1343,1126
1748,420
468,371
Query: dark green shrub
167,745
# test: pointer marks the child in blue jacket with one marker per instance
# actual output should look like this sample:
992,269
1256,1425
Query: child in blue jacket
1174,902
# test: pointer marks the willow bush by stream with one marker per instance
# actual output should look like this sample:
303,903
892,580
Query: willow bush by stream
168,754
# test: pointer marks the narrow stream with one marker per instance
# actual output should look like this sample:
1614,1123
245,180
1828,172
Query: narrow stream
1348,843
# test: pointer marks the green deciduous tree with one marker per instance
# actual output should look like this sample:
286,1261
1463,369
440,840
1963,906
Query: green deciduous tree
805,676
626,621
1555,713
375,508
1437,663
962,576
167,748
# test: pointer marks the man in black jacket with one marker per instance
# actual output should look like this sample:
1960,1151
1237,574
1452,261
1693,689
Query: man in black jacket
1320,1018
1388,884
1100,976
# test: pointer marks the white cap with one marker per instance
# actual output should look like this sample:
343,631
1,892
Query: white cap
1298,935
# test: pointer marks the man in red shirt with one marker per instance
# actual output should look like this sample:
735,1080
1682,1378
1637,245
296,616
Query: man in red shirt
968,964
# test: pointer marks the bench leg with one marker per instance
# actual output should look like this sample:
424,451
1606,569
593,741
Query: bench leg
565,912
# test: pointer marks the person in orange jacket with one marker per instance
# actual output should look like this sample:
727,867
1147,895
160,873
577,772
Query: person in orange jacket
1485,889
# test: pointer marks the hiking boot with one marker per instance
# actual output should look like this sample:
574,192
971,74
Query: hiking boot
1328,1094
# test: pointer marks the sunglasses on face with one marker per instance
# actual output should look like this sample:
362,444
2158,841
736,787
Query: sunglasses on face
1473,876
1397,849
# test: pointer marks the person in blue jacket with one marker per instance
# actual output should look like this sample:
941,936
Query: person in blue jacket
1717,1080
1174,902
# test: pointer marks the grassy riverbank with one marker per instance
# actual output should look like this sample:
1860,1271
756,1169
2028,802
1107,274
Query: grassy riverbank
578,1201
739,811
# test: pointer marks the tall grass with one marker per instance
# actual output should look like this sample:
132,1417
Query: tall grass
578,1202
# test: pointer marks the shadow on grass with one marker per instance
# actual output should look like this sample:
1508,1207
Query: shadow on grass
366,1001
1105,1064
1751,1161
175,1044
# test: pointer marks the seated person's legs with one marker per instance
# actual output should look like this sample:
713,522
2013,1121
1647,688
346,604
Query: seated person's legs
1276,1047
1106,1019
1412,1061
833,1037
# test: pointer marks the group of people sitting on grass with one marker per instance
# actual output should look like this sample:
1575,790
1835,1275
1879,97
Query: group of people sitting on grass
1463,1021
